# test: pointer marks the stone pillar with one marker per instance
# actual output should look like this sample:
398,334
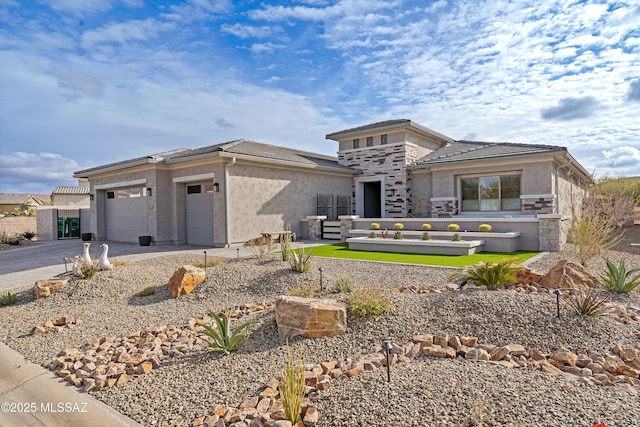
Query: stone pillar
551,236
315,226
346,225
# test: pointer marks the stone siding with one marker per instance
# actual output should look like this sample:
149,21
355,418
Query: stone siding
542,205
440,206
551,236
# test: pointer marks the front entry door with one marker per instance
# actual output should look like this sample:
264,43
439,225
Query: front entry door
372,199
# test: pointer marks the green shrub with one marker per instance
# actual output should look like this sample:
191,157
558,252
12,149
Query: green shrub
619,279
261,246
149,290
491,275
88,270
221,340
485,228
372,235
588,304
426,236
367,302
375,226
455,237
453,227
426,227
292,386
398,226
8,298
301,291
397,235
29,234
285,244
4,237
300,260
344,285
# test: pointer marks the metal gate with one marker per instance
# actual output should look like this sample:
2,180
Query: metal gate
332,206
68,223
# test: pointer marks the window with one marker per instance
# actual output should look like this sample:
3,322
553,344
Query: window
356,143
135,192
194,189
122,194
384,138
490,193
369,141
111,195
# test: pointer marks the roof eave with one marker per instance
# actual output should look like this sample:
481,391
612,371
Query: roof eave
550,153
336,136
86,173
288,163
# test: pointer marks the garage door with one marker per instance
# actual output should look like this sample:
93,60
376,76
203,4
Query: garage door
125,214
199,214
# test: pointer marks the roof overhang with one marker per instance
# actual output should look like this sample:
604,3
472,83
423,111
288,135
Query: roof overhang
403,125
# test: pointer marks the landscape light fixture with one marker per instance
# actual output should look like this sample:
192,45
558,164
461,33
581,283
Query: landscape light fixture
65,259
321,270
386,345
91,197
237,253
205,261
557,293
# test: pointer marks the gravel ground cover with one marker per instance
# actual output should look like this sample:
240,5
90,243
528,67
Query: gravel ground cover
426,391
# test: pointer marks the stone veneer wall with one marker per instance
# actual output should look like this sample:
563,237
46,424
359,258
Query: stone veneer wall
388,161
543,204
550,232
441,205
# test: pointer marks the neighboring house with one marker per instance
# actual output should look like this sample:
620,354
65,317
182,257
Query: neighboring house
73,196
232,192
11,202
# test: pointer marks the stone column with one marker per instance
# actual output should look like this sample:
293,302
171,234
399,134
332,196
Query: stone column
346,225
551,236
315,226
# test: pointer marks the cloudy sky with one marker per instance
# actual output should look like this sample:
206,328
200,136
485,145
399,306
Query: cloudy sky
89,82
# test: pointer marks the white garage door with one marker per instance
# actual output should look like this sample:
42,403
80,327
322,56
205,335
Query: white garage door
125,214
199,213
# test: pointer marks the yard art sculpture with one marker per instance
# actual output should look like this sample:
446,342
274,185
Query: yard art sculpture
85,260
86,257
103,261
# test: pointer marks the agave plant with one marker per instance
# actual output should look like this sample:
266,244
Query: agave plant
618,279
222,340
491,275
589,303
300,260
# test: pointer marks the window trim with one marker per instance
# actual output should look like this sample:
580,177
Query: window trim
459,179
356,143
369,141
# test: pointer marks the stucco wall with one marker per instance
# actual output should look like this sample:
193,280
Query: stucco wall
78,200
266,199
570,192
420,190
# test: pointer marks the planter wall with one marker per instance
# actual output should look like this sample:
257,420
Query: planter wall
411,246
493,242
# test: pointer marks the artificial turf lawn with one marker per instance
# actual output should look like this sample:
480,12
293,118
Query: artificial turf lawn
341,250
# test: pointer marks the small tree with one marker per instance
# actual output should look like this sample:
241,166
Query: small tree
597,225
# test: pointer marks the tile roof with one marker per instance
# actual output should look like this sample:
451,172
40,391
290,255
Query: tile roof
63,189
19,198
370,126
475,150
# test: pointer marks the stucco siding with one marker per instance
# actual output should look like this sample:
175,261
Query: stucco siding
421,192
265,199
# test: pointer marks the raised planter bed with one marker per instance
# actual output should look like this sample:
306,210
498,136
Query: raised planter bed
414,246
493,242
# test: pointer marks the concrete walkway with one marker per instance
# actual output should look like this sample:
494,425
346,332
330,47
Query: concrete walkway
31,395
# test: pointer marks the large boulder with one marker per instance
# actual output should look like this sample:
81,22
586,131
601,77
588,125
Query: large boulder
569,275
308,317
185,279
44,288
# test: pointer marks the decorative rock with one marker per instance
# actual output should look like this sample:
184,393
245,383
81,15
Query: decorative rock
566,357
516,349
185,279
311,416
566,274
307,317
44,288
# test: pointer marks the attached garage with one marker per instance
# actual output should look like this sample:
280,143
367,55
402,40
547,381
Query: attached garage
199,213
125,213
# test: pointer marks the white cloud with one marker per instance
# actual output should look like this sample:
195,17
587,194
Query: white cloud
87,7
17,172
123,32
246,31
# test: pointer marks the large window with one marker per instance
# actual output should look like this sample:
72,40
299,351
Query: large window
491,193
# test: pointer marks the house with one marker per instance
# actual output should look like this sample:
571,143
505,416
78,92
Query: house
234,191
77,196
11,203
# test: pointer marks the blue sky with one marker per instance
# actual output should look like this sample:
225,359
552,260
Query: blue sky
89,82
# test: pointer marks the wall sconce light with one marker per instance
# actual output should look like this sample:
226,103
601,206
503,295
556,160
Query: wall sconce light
91,197
149,192
216,187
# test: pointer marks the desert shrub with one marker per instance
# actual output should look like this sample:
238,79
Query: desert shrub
211,262
88,270
149,290
398,226
397,235
485,228
372,235
596,226
367,302
618,279
285,244
4,237
301,291
455,237
426,227
261,246
300,259
491,275
221,339
590,303
29,234
375,226
292,385
8,298
344,285
617,187
453,227
119,262
426,236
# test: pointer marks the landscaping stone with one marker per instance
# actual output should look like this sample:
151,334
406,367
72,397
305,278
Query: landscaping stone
308,317
44,288
185,279
569,275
